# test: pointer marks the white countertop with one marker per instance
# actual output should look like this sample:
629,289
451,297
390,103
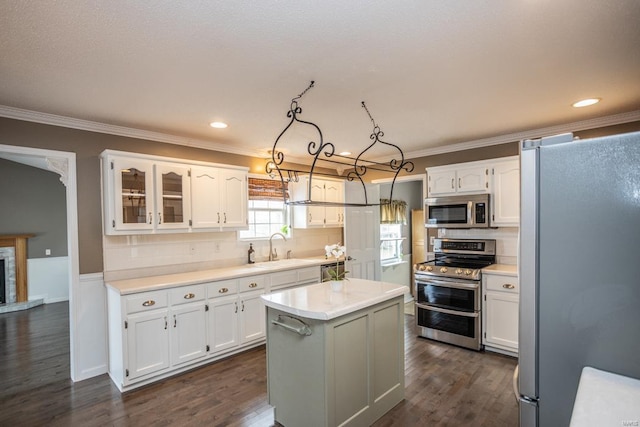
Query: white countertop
502,269
320,302
151,283
606,399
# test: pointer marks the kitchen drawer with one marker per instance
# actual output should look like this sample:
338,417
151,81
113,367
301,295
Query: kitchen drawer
222,288
284,279
145,301
501,283
251,283
185,294
309,274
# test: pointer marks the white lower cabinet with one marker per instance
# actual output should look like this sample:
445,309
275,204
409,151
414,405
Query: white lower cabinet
147,344
187,323
236,313
500,313
155,334
252,318
222,323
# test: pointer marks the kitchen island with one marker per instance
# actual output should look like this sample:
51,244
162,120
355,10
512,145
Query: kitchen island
335,357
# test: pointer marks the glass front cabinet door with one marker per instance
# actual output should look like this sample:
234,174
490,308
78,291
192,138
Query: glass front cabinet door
147,196
133,187
172,191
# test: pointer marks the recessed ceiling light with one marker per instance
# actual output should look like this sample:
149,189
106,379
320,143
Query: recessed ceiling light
218,125
586,102
345,153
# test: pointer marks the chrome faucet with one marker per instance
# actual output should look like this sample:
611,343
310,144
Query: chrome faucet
273,255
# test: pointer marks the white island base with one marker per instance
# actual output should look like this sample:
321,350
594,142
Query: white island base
335,358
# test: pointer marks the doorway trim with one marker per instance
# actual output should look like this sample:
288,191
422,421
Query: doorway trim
406,178
64,164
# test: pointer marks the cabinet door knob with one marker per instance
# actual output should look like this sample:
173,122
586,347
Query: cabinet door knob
508,286
159,217
150,217
223,290
148,303
189,296
253,285
225,217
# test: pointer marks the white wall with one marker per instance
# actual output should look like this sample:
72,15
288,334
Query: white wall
48,278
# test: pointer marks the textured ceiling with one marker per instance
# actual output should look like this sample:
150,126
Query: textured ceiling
432,72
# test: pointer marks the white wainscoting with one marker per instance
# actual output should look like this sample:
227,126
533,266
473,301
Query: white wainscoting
91,327
48,279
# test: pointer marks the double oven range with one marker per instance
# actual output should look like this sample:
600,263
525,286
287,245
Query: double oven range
449,291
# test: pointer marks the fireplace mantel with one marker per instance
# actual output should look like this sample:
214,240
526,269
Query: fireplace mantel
19,243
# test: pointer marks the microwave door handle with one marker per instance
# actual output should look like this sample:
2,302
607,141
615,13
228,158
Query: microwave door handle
470,219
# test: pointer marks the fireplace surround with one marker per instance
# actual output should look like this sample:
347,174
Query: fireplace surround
13,252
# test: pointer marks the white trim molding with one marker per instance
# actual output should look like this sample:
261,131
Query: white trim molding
80,124
73,123
599,122
64,160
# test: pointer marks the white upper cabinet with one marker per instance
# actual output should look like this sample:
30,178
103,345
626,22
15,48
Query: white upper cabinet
150,194
219,197
142,195
173,197
498,177
458,179
322,190
505,209
129,201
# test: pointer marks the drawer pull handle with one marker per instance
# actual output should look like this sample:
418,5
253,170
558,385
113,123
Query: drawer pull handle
223,290
508,286
148,303
253,285
189,296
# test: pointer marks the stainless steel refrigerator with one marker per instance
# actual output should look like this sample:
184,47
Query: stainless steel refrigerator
579,268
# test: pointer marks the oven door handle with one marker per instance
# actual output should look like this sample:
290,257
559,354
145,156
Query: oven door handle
457,285
447,311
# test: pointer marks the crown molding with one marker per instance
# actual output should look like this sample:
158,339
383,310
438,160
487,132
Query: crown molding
87,125
598,122
91,126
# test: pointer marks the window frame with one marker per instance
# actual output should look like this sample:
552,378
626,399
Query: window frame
285,209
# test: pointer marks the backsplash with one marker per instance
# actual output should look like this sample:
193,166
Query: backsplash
147,255
506,240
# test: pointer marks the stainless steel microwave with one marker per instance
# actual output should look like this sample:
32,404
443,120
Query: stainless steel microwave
471,211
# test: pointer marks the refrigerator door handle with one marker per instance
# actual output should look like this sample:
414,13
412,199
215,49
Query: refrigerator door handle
516,390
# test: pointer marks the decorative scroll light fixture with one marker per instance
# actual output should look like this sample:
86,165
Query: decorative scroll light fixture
322,151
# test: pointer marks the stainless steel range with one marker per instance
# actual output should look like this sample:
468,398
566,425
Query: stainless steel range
448,291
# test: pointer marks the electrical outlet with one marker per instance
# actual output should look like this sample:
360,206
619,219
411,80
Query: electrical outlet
192,249
216,247
47,252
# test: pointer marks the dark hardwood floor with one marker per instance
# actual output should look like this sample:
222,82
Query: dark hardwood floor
445,385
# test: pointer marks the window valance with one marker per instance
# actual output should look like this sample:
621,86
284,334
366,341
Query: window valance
393,212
